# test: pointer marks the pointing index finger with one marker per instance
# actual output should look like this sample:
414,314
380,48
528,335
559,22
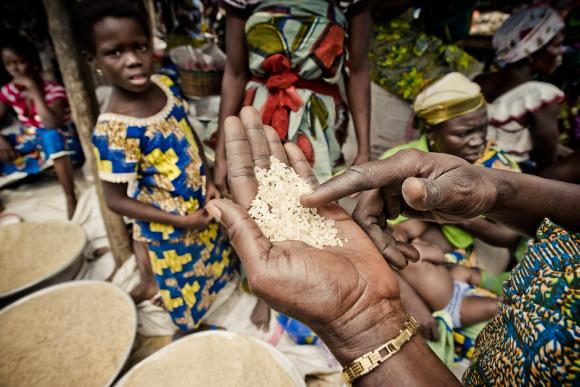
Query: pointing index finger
354,179
375,174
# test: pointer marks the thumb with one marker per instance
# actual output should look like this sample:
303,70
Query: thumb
248,240
422,194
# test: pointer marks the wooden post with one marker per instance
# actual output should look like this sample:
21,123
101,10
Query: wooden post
150,8
84,111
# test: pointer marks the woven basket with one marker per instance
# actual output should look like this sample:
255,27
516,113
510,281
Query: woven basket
200,83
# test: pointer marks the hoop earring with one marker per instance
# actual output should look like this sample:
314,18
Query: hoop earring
100,72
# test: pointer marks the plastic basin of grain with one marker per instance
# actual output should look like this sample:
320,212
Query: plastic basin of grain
77,334
32,254
211,359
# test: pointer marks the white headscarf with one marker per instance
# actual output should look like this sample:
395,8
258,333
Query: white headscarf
525,32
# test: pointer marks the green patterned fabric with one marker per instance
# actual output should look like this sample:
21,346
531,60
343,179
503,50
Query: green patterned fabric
404,58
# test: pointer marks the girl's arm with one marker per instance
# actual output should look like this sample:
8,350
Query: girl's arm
236,76
545,134
3,111
564,170
7,152
358,84
117,200
51,115
492,233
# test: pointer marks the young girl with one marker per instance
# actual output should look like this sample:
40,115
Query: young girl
47,135
144,136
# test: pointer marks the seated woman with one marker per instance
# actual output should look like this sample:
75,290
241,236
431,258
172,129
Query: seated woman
523,113
452,114
47,135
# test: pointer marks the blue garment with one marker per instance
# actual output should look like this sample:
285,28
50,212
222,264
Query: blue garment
534,338
190,272
36,146
160,155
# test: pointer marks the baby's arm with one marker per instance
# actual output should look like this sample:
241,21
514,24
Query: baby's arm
428,251
492,233
410,229
117,200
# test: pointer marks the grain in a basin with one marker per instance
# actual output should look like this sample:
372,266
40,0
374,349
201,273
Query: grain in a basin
76,334
214,359
32,252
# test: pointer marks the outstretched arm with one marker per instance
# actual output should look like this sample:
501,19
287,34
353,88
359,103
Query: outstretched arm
348,295
545,134
490,232
447,189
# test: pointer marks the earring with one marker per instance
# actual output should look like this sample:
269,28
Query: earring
100,72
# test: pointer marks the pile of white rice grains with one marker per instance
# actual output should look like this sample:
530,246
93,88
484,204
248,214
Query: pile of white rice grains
278,212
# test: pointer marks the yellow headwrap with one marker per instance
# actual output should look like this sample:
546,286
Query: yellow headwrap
450,96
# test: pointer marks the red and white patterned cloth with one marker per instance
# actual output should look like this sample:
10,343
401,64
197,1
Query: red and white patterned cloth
14,96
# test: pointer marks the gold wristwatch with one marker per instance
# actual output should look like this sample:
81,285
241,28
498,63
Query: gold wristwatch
371,360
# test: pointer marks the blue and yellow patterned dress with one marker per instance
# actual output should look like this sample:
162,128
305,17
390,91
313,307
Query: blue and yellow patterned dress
160,155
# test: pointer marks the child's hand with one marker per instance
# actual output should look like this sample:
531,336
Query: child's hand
261,315
7,152
211,191
25,81
199,220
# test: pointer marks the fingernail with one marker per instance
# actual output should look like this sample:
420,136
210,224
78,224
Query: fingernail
214,212
433,193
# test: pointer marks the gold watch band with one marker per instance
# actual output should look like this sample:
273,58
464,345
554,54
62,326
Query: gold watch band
371,360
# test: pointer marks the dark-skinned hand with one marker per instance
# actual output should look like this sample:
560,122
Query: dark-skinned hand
342,293
420,185
428,186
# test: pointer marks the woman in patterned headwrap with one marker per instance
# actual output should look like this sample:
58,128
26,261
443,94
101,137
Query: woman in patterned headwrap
451,112
523,113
